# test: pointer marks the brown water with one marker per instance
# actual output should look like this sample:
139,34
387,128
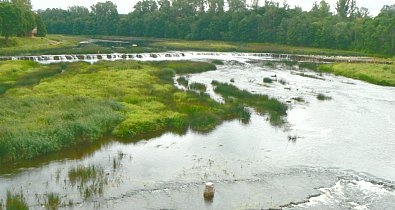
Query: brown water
342,159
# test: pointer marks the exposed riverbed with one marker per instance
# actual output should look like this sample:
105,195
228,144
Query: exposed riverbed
342,157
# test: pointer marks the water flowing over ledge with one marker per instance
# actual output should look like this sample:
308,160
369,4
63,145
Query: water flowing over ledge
93,58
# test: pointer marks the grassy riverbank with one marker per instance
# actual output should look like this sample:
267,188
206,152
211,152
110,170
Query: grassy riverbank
379,74
45,108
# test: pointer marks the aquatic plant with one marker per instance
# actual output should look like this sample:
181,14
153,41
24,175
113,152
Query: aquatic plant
183,81
90,180
267,80
198,86
52,201
16,201
282,81
262,103
217,62
323,97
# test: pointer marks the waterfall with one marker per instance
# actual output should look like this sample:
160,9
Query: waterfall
93,58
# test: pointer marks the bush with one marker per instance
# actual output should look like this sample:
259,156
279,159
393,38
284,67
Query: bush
267,80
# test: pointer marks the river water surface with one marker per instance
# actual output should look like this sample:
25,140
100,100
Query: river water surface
342,157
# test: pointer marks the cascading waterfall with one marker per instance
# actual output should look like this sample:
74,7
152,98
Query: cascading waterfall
93,58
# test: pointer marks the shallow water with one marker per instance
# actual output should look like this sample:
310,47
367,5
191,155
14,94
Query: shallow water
342,157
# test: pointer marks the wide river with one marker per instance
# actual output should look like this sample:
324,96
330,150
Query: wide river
343,156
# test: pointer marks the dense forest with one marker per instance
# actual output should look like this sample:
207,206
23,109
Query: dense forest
17,19
349,28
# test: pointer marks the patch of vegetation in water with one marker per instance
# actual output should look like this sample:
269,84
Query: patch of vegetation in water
123,98
198,86
89,180
267,80
298,99
309,76
323,97
379,74
262,103
52,201
217,62
283,81
183,81
16,201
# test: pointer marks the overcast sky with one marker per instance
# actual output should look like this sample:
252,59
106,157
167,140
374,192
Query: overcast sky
126,6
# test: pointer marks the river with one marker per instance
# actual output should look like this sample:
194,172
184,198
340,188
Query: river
342,156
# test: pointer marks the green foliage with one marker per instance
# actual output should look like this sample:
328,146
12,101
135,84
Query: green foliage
198,86
262,103
16,202
89,180
12,20
323,97
53,201
267,80
183,81
350,29
41,28
217,62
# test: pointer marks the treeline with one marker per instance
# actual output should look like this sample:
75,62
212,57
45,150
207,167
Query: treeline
350,28
17,19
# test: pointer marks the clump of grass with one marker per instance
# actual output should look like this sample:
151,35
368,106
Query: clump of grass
82,174
262,103
309,65
16,201
90,180
267,80
299,99
165,74
217,62
323,97
282,81
310,76
183,81
53,201
198,86
269,64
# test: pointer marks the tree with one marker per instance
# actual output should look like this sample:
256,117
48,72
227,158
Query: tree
41,29
106,18
23,4
11,16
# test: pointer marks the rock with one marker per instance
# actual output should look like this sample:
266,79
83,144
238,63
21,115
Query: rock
209,192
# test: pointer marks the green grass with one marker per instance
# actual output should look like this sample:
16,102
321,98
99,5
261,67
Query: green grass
217,62
28,45
183,81
90,180
16,202
198,86
379,74
323,97
262,103
53,201
267,80
123,99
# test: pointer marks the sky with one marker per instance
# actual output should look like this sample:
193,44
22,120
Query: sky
126,6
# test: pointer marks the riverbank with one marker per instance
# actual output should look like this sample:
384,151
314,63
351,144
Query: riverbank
379,74
45,108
